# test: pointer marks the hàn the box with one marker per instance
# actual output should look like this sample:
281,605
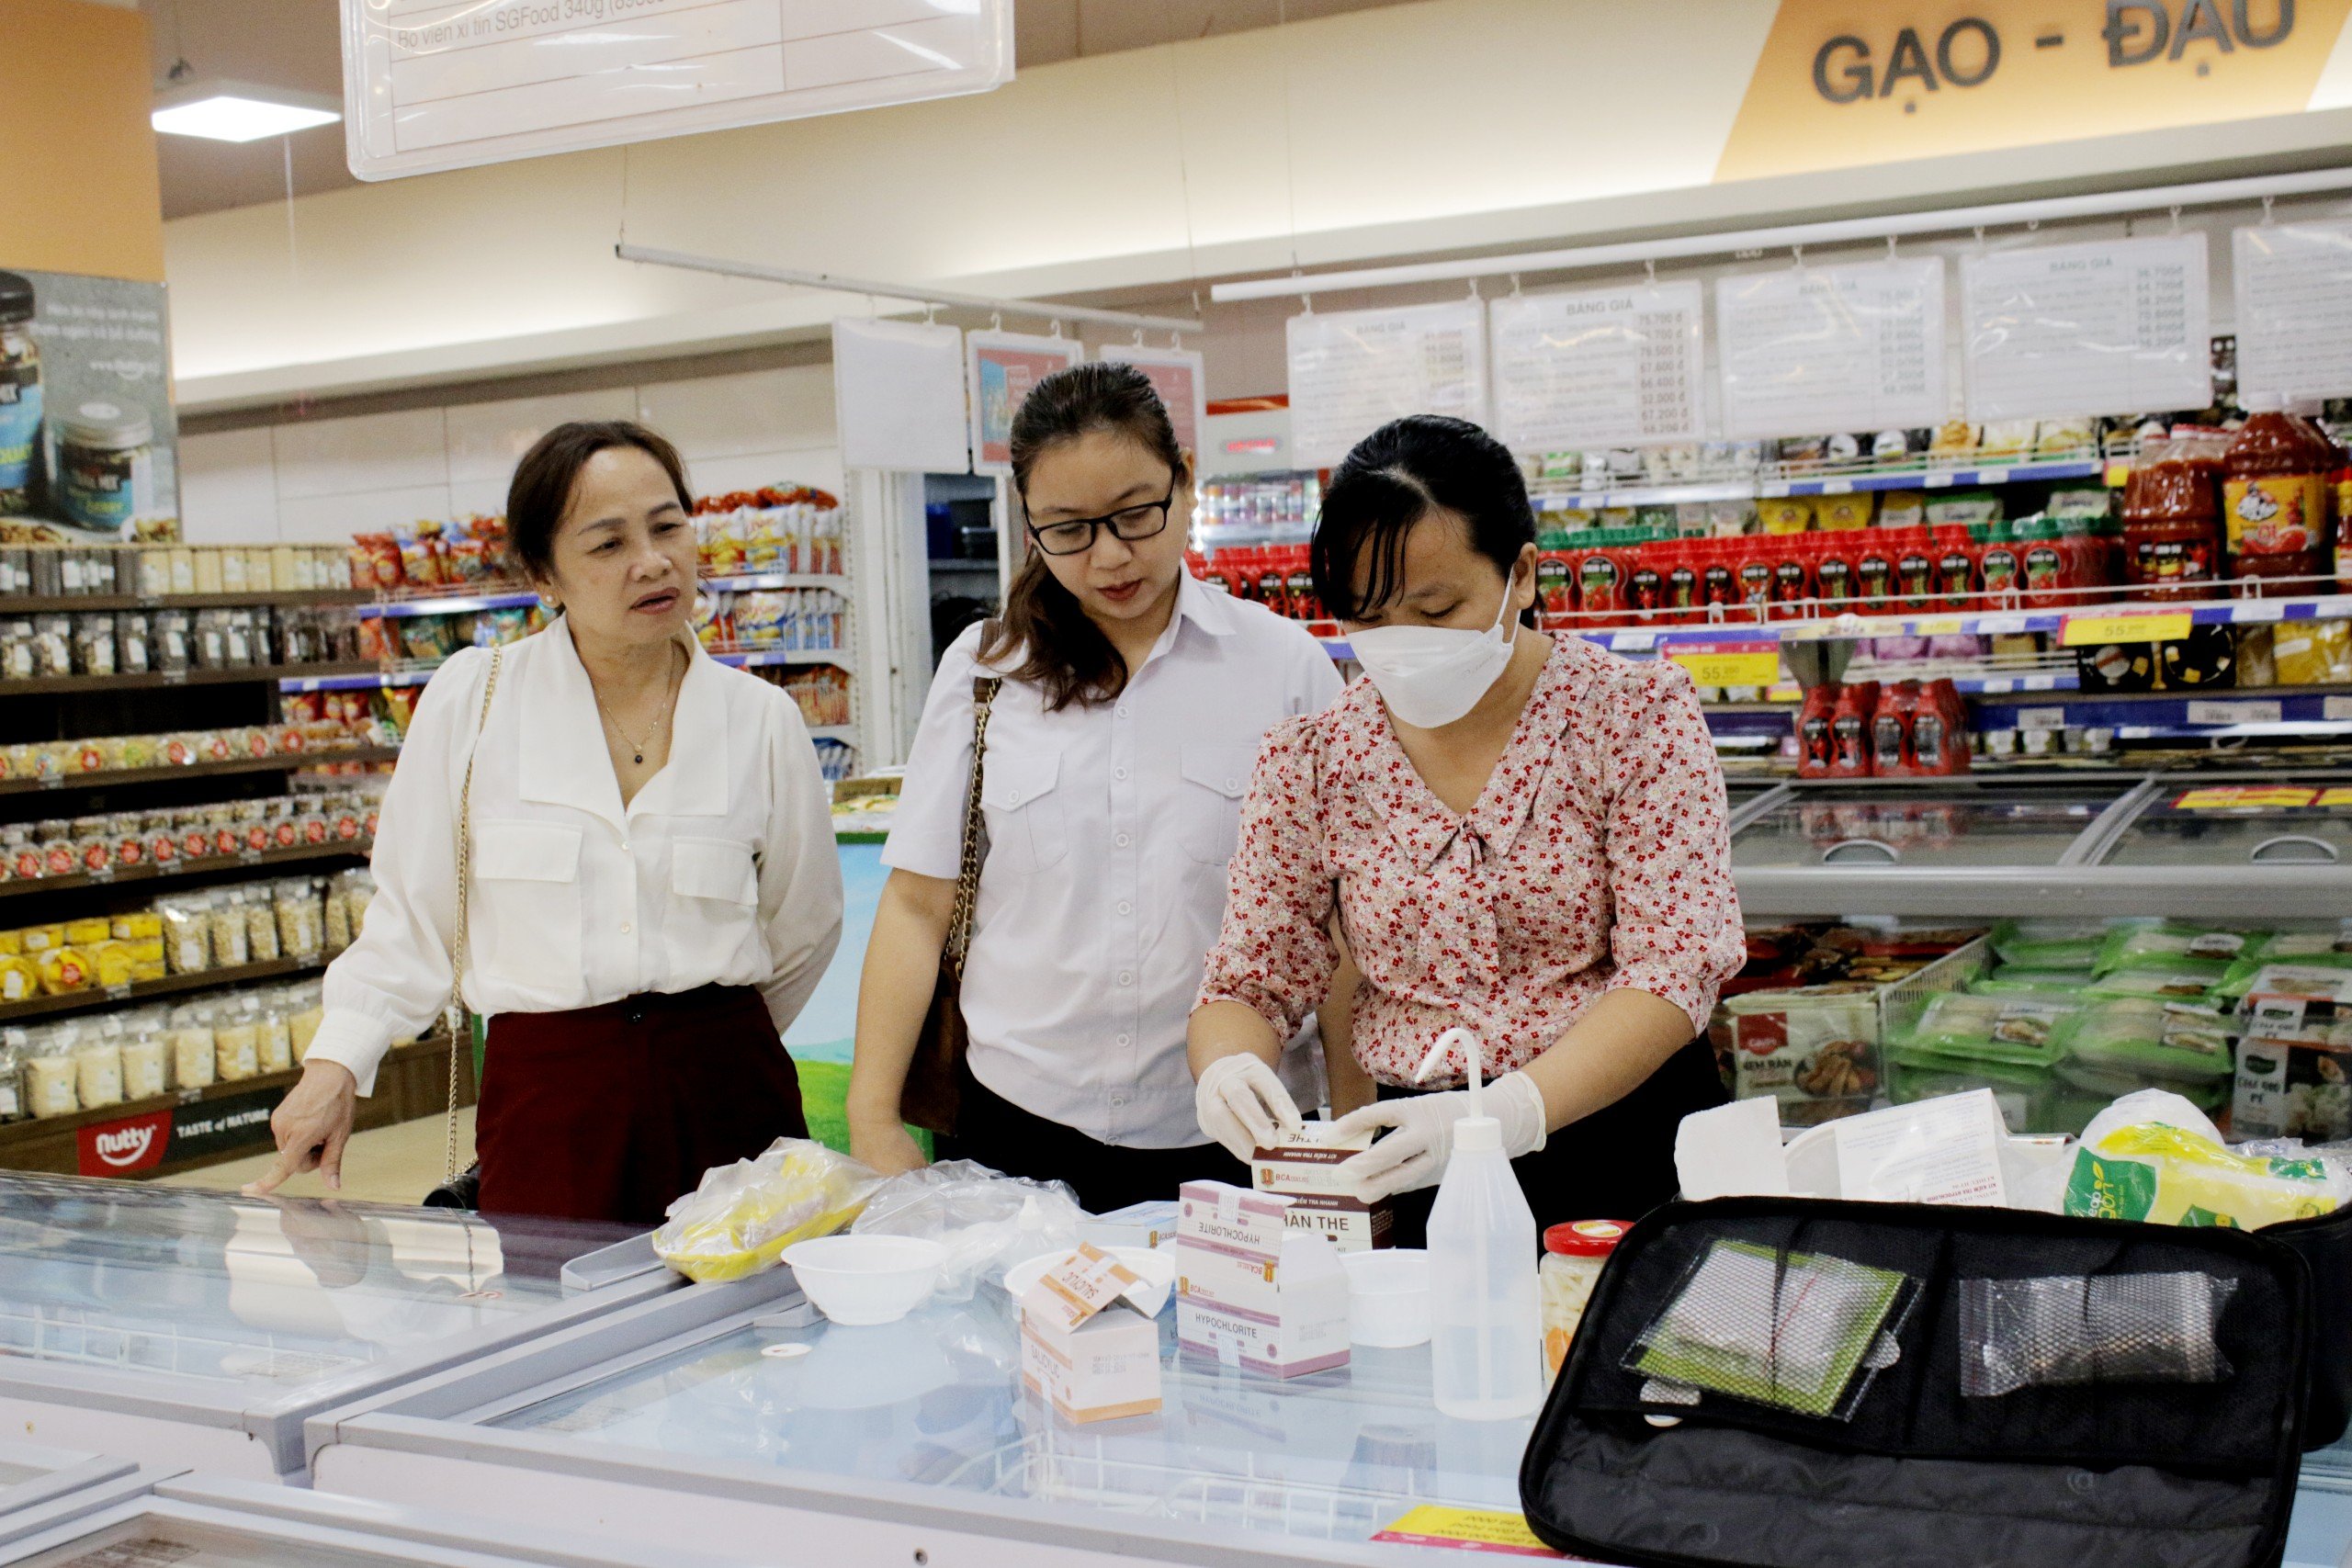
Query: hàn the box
1306,1171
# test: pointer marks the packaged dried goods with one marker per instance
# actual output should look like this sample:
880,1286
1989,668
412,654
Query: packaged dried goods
146,1066
49,1075
98,1073
188,933
261,929
64,970
231,944
273,1041
236,1045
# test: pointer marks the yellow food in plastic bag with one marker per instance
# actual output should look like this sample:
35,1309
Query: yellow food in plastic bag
742,1216
2161,1174
2313,653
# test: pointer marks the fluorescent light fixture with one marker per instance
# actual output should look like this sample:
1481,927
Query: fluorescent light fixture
241,111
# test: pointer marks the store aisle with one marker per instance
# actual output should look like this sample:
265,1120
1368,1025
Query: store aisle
398,1164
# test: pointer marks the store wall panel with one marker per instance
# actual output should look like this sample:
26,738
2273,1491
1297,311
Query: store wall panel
332,519
229,487
486,440
370,452
726,416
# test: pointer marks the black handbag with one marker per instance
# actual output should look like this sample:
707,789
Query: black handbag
1763,1382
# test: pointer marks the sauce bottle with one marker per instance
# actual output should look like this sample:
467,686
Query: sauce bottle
1849,730
1685,597
1955,567
1298,582
1815,747
1646,583
2171,520
1875,571
2274,483
1556,581
1891,729
1600,575
1833,573
1792,577
1719,577
1915,570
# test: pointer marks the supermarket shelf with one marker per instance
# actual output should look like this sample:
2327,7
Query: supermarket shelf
1646,495
253,674
95,999
274,763
1979,623
263,858
297,599
1770,485
361,677
522,598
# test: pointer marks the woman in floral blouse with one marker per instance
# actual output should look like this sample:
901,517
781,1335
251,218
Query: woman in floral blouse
1518,834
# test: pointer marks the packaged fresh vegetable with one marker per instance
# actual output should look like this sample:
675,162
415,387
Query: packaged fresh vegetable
2185,980
742,1216
2169,941
2316,944
2018,1030
2155,1039
2048,944
2018,980
2241,975
2153,1156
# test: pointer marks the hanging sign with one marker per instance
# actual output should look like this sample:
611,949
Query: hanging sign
445,83
2117,326
1833,349
1178,376
999,369
899,396
1352,372
2294,317
1607,368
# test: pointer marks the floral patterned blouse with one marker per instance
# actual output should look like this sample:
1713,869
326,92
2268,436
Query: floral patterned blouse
1596,859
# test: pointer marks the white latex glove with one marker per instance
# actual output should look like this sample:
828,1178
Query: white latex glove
1420,1136
1243,1105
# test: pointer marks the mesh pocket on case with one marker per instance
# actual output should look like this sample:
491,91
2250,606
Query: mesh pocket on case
2069,1330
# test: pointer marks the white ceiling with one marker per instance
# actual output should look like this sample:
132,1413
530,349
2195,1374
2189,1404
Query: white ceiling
293,43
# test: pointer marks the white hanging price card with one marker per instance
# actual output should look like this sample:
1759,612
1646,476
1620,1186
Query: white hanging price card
1609,367
2119,326
1180,378
1352,372
1808,351
2294,297
445,83
999,369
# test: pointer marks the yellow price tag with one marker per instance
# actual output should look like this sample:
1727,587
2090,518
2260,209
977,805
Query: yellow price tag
1468,1529
2131,626
2240,797
1729,664
2339,796
2119,473
1937,625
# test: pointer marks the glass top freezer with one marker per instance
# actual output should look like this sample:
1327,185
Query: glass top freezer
730,1420
175,1326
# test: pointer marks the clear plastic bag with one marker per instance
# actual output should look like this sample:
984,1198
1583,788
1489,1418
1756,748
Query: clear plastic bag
2069,1330
2153,1156
985,1221
1801,1332
741,1217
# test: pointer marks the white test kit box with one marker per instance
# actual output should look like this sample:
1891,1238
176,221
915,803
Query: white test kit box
1254,1291
1087,1345
1150,1223
1306,1171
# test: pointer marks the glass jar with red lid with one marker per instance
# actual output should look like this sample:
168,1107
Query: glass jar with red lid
1574,1256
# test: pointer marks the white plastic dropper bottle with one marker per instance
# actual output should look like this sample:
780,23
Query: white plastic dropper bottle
1487,1330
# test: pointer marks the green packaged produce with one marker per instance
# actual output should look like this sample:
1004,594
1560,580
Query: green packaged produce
2016,980
2184,980
2048,944
2240,976
2160,1041
2308,945
2172,941
2022,1093
2018,1030
2099,1087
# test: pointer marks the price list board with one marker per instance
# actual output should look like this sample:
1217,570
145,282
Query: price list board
1352,372
2110,327
2294,299
1836,348
1607,367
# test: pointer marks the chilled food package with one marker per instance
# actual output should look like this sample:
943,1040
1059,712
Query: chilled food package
1814,1050
2153,1156
2048,944
2018,1030
2024,980
2180,979
741,1217
2166,943
2154,1038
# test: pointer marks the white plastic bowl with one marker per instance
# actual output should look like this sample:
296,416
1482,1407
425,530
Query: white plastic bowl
861,1280
1388,1297
1156,1269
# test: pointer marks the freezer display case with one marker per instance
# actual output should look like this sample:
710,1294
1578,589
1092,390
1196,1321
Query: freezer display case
175,1326
735,1418
2218,844
34,1474
154,1518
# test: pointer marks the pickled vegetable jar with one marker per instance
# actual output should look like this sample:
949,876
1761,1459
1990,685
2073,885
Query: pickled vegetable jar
1573,1255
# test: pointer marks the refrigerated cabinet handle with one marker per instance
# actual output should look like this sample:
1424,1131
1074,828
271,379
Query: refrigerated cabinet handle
2327,855
1863,849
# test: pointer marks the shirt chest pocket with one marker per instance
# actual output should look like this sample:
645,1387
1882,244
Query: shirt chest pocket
714,898
1022,800
524,918
1208,808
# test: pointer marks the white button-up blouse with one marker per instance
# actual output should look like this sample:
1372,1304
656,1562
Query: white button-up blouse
1109,826
721,871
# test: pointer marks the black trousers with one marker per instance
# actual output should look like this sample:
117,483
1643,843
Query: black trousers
1003,1136
1616,1164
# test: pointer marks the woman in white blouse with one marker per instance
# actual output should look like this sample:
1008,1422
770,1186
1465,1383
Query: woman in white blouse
1119,746
637,933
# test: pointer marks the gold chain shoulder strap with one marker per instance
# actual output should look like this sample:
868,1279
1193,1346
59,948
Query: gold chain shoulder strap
454,1015
967,872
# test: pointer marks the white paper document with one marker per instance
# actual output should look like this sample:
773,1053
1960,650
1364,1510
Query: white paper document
1938,1151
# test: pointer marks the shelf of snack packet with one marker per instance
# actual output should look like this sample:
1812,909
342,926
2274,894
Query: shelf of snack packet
110,777
408,601
1774,481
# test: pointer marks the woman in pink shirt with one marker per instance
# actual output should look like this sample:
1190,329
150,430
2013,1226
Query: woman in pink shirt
1518,834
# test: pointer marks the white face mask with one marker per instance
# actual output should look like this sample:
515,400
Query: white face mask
1430,676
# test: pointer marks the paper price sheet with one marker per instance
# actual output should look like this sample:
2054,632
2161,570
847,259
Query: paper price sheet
1836,348
2119,326
1607,368
2294,301
1352,372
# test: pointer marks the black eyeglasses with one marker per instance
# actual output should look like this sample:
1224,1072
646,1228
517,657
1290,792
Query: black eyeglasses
1077,535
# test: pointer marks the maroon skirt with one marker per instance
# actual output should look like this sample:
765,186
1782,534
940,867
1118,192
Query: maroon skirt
610,1113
